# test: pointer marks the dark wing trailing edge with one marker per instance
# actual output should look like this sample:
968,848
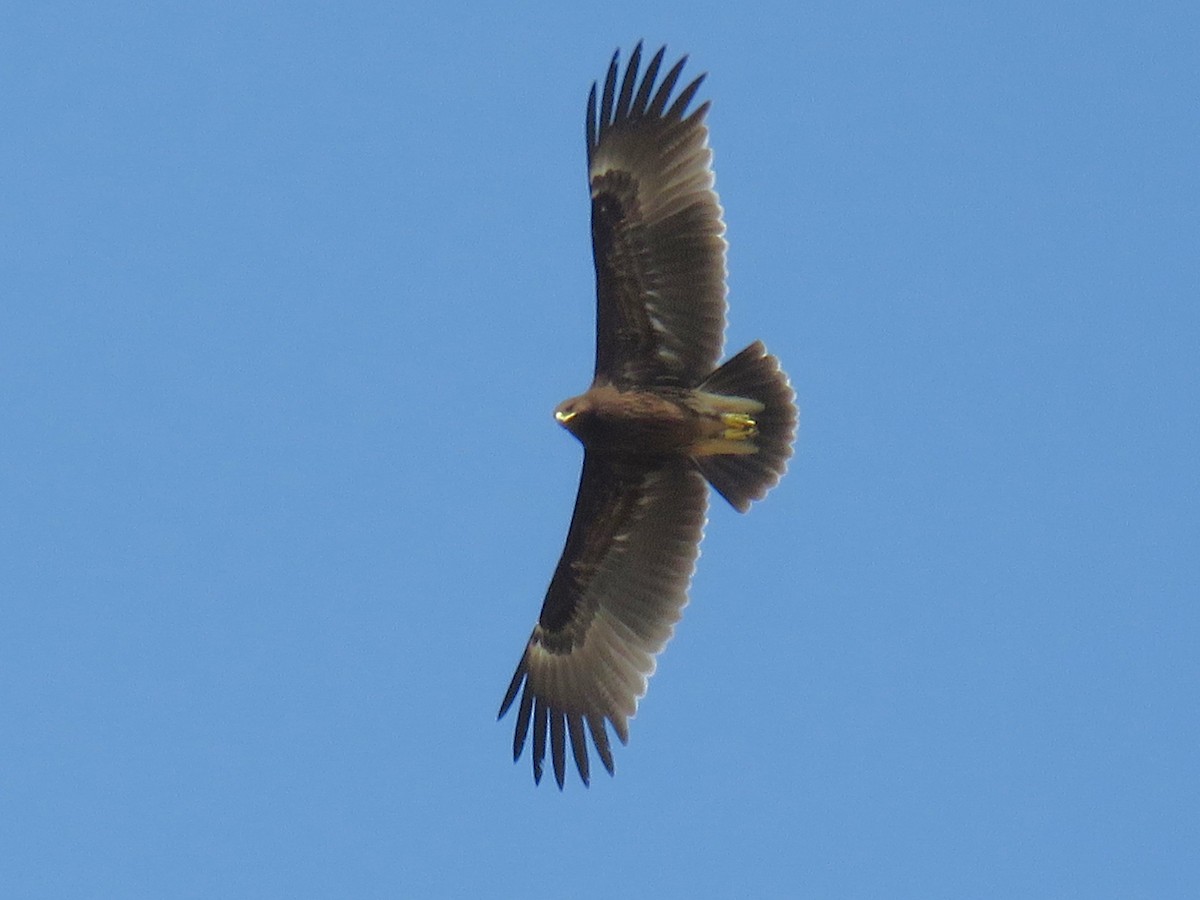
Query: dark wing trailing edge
615,597
656,230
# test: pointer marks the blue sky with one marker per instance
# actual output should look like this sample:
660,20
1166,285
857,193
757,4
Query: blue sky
288,295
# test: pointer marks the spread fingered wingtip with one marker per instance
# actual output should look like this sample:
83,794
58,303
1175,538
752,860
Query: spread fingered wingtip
636,96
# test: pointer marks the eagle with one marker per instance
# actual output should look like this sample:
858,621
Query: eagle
660,422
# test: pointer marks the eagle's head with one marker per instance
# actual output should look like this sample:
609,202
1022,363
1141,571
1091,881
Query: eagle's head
573,414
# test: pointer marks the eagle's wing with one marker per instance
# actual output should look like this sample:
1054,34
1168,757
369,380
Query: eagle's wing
656,231
617,592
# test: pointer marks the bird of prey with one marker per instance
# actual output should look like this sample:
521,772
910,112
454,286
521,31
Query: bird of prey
659,420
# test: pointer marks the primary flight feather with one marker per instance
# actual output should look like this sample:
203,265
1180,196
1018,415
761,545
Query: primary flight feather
659,420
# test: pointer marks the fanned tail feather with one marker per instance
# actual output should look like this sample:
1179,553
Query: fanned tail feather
744,477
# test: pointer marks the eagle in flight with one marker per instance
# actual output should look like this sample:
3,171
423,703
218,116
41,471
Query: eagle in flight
660,419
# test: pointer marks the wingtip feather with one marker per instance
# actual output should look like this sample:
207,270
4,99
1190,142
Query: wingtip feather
514,685
659,103
557,747
579,747
685,97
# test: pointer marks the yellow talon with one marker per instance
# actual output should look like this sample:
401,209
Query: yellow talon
738,426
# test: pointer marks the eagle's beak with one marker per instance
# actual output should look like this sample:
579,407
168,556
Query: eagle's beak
564,416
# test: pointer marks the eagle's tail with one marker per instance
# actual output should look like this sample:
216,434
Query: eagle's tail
752,462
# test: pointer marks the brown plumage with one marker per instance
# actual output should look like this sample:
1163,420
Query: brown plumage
659,420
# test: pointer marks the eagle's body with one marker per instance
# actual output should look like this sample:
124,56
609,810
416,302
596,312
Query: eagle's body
665,421
660,422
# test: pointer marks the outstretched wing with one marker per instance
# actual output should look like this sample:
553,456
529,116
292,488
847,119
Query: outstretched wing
611,608
656,231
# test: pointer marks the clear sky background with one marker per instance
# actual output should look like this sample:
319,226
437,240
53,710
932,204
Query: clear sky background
288,293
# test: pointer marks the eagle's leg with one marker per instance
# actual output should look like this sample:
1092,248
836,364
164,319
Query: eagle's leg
729,424
738,426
